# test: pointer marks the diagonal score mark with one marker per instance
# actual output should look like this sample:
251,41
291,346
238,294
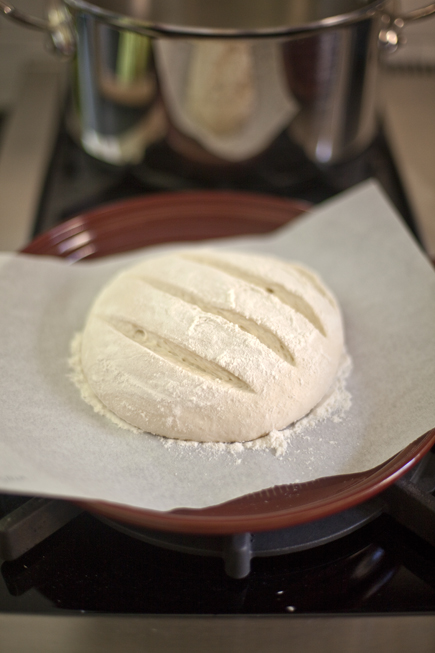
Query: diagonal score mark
294,301
175,354
308,276
265,336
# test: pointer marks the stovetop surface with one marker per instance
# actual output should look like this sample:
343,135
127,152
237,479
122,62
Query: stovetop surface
87,566
76,182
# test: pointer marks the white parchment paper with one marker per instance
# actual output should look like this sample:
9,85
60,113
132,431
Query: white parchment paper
53,443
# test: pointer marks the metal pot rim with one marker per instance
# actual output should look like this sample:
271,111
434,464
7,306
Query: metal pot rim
152,28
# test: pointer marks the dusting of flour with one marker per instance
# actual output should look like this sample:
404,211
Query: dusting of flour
333,407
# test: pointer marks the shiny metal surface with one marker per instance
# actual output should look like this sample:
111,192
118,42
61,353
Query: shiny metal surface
21,17
107,634
57,25
224,101
242,18
237,75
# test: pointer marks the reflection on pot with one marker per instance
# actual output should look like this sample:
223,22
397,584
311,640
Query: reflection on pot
333,75
229,96
222,80
115,93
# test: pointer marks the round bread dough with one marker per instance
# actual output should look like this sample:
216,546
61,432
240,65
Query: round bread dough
212,346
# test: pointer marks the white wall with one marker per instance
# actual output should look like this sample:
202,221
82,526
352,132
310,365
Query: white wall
18,45
420,46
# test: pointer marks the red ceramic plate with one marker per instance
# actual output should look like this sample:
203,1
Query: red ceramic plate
174,217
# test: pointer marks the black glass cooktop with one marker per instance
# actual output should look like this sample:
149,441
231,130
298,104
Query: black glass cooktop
385,566
76,182
88,566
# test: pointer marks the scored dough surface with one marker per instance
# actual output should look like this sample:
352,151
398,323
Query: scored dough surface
212,346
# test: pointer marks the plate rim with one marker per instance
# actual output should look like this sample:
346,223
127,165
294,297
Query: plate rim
363,486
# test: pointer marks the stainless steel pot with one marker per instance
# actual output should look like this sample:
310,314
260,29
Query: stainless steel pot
220,80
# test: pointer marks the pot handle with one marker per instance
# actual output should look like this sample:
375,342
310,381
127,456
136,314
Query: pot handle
390,36
423,12
58,26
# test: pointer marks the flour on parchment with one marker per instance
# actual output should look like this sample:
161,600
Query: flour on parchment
333,406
